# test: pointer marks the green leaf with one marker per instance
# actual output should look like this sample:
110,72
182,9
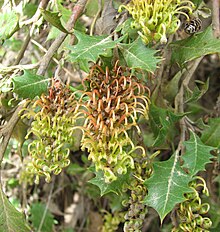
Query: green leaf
162,122
139,56
167,185
211,135
114,187
10,219
194,46
197,154
37,212
30,85
8,24
54,19
197,93
89,48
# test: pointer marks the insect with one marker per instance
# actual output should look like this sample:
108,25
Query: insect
193,26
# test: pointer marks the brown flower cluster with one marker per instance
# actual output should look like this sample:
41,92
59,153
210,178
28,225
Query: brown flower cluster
114,100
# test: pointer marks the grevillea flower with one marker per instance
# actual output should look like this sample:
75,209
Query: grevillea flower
190,213
114,101
156,19
54,118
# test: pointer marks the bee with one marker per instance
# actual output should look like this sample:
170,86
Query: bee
192,26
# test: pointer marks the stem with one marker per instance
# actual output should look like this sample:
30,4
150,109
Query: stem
77,10
35,18
215,18
179,100
7,130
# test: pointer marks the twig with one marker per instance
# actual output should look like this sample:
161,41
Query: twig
23,49
43,5
179,100
55,60
95,18
47,205
7,130
77,10
215,18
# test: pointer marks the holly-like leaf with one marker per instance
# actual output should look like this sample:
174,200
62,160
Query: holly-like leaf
162,122
10,219
197,154
197,93
37,212
54,19
8,24
30,85
114,187
167,185
211,135
139,56
89,48
194,46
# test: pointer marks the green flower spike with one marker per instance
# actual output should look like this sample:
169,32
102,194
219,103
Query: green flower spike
53,128
157,19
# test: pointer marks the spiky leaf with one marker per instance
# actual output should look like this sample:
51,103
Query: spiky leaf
162,122
211,135
139,56
194,46
89,48
54,18
167,185
30,85
10,219
197,154
9,24
114,187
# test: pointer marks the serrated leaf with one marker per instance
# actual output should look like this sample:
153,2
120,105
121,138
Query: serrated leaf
114,187
197,92
10,219
89,48
167,185
197,154
8,24
162,122
30,85
54,19
211,135
37,212
139,56
195,46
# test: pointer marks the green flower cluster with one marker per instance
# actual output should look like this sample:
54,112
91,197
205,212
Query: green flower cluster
112,221
190,212
115,99
156,19
54,118
136,209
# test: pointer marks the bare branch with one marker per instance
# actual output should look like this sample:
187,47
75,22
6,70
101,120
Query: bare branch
77,10
7,130
215,18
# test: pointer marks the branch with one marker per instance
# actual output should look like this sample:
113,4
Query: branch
215,18
34,19
179,100
77,10
7,130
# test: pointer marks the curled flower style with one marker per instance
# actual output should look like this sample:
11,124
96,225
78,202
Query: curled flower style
190,212
156,19
115,99
54,118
